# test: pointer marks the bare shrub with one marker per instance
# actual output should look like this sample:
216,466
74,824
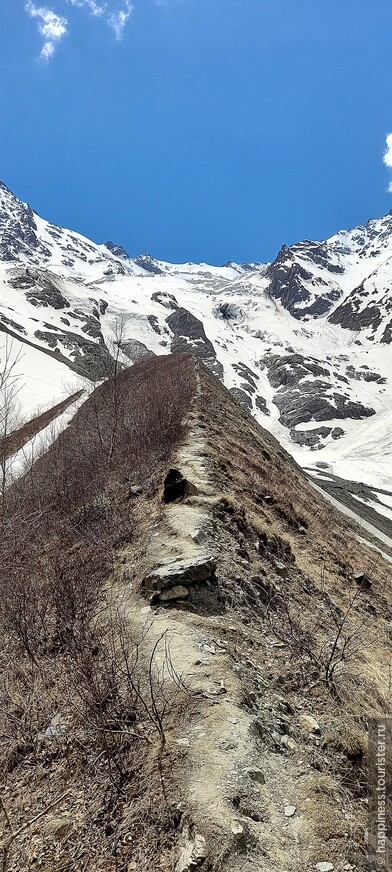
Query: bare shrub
318,658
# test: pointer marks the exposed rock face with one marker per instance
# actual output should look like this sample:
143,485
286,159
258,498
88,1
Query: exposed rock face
310,438
19,229
167,300
147,262
312,402
229,312
289,281
261,404
117,250
351,316
368,308
41,287
302,396
242,398
188,333
135,350
90,359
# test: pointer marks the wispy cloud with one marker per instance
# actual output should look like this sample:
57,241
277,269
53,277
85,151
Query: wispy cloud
95,8
51,26
387,158
54,26
118,20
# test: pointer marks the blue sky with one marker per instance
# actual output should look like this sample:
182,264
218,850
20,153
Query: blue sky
198,129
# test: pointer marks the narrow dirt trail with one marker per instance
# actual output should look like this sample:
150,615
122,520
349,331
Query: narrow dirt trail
232,795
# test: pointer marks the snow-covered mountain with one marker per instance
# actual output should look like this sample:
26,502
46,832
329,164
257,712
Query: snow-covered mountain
304,342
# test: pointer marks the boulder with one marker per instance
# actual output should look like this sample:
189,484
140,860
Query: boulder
179,572
176,486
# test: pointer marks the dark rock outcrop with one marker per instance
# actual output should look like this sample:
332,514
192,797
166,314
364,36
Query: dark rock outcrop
189,334
176,486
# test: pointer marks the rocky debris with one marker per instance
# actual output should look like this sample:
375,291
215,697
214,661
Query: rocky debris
386,337
290,369
324,866
13,325
90,359
175,572
280,568
309,723
362,580
194,851
289,810
189,334
177,487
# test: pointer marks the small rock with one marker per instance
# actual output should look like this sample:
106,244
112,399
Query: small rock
199,537
255,774
237,830
362,580
287,742
174,593
55,729
324,867
134,491
193,854
289,810
280,568
309,724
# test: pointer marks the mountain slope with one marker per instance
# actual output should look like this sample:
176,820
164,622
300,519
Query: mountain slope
303,343
199,665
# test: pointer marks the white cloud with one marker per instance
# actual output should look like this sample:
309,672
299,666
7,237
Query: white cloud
54,27
47,51
95,8
388,151
118,20
51,26
387,156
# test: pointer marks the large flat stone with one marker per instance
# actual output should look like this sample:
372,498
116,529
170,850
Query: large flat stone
180,572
